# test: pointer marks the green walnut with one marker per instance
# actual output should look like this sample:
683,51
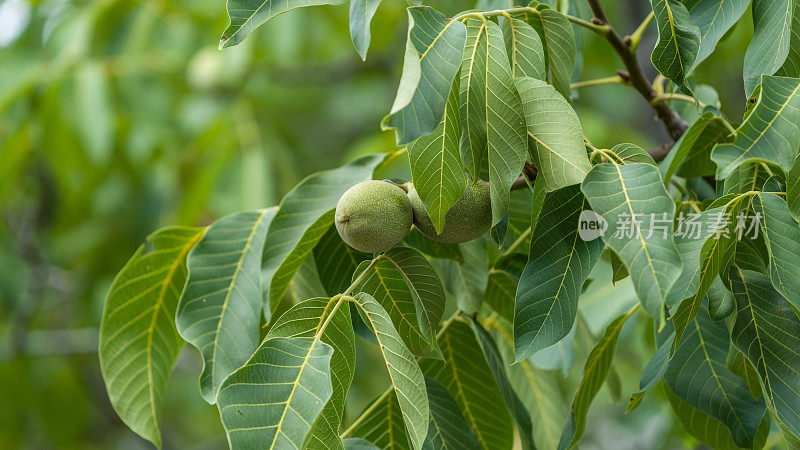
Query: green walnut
373,216
467,219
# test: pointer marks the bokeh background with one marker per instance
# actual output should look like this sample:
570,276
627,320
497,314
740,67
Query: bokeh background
118,117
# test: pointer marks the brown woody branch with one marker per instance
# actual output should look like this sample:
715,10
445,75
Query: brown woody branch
672,121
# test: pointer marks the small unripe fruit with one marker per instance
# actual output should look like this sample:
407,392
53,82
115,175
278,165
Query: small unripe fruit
469,218
373,216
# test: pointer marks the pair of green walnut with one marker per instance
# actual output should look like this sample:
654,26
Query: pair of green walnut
374,216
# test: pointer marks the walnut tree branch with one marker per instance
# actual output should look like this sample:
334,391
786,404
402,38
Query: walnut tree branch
672,121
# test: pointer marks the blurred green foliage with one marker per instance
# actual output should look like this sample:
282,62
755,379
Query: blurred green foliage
118,117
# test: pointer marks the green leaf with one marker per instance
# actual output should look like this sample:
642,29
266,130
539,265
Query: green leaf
618,270
336,262
448,429
793,189
555,135
524,48
702,267
541,393
246,15
306,283
471,276
512,400
519,220
772,20
406,375
678,40
218,311
558,40
491,114
621,194
745,178
633,153
595,373
304,320
559,263
304,216
359,444
653,373
791,67
274,398
693,156
381,424
709,430
407,286
436,165
782,236
720,301
698,374
361,13
434,249
500,291
433,56
767,331
138,340
770,133
714,18
466,375
94,115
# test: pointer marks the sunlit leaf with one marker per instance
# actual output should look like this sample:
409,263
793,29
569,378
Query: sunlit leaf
138,339
555,135
406,376
436,168
304,320
407,286
247,15
274,398
433,56
219,309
